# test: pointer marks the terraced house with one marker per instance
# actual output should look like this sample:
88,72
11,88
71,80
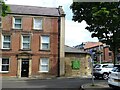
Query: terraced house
32,41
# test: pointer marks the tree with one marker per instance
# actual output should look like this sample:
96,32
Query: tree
3,8
103,19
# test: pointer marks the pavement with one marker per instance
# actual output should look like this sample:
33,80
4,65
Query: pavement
96,86
31,78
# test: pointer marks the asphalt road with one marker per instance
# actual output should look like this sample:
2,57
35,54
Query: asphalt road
51,84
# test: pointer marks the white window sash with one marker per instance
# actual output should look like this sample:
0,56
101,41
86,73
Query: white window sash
45,46
0,22
16,23
3,42
1,65
26,42
38,23
45,42
44,65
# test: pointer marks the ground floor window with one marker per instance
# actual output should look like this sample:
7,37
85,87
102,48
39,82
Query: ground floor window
44,65
4,64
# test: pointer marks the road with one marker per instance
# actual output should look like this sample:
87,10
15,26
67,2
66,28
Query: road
51,84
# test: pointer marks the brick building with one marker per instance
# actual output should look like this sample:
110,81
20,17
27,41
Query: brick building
32,41
102,52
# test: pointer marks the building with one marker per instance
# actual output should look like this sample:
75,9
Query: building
77,62
101,52
32,41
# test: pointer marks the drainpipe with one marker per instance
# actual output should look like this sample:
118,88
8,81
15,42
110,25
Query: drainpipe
59,24
60,38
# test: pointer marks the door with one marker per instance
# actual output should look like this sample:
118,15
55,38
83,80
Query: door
25,68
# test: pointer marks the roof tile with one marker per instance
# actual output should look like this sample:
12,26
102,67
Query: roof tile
34,10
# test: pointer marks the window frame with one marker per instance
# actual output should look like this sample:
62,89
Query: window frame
0,22
41,64
5,41
15,17
1,59
41,45
22,46
41,28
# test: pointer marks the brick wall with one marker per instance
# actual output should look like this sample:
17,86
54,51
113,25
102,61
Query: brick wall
50,27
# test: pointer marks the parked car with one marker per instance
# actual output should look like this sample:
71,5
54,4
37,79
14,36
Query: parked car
114,77
102,70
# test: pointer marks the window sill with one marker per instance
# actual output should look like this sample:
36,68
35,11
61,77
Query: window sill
38,30
17,29
4,72
44,50
25,50
6,49
43,71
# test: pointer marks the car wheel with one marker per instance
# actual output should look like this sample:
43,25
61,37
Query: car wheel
105,76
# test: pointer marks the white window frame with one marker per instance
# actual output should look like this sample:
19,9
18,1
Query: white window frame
42,64
0,22
5,41
25,42
4,65
42,42
41,23
17,23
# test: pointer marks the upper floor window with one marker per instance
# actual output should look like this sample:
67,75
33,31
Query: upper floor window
17,23
4,64
6,40
110,53
25,42
0,22
44,64
45,42
37,24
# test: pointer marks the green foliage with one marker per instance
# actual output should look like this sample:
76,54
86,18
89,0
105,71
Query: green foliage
4,9
103,19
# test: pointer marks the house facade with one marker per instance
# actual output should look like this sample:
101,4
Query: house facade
31,41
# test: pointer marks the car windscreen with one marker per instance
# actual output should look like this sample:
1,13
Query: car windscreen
97,66
116,69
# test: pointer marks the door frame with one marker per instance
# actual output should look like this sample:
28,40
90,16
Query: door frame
24,60
20,68
20,57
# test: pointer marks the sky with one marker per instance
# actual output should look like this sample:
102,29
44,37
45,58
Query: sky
75,33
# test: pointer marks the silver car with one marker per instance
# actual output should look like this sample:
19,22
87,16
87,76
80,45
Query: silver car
102,70
114,77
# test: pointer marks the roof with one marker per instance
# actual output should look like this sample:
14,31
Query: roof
35,10
92,44
69,49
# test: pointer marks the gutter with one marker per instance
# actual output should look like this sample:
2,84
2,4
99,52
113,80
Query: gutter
33,14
